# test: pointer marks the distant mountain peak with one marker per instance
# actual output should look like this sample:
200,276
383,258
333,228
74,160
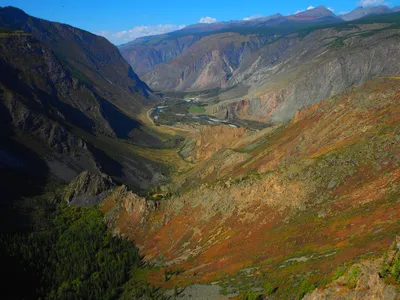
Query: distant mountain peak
361,12
316,12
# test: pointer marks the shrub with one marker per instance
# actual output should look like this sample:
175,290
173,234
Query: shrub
251,295
353,276
268,288
305,288
338,273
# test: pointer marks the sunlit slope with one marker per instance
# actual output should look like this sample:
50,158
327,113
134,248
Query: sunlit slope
301,197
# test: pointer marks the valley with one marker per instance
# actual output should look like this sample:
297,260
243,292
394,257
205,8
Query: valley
180,112
251,159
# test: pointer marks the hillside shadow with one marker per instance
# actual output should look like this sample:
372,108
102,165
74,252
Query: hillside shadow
22,174
120,123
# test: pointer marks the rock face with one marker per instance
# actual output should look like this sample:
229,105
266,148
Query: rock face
208,64
298,71
144,55
87,189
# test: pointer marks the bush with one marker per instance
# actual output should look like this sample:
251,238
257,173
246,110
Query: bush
338,273
268,288
305,288
353,276
251,295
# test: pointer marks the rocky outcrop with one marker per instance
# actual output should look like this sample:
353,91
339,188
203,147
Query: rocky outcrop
361,282
87,189
125,210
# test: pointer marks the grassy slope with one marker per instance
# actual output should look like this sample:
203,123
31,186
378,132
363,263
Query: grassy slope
318,192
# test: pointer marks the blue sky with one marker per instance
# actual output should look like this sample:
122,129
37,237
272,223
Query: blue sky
124,20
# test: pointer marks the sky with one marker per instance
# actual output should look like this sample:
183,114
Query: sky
121,21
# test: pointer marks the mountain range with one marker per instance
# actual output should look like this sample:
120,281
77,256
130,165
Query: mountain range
266,71
254,159
144,58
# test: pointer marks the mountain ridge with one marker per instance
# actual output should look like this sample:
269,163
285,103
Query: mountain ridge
65,95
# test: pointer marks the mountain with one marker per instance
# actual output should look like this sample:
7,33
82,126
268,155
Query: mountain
305,68
306,197
396,9
196,28
315,13
143,54
68,101
361,12
93,58
255,75
266,72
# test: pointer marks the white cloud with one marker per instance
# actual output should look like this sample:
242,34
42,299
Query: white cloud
372,2
256,16
138,31
308,8
207,20
331,9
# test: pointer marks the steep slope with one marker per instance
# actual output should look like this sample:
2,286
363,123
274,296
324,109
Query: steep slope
67,98
143,55
361,12
300,198
302,69
212,62
92,59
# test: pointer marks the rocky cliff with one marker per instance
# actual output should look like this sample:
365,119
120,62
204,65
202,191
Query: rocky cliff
297,71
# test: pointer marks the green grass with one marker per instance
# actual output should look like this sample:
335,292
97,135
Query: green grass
196,109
